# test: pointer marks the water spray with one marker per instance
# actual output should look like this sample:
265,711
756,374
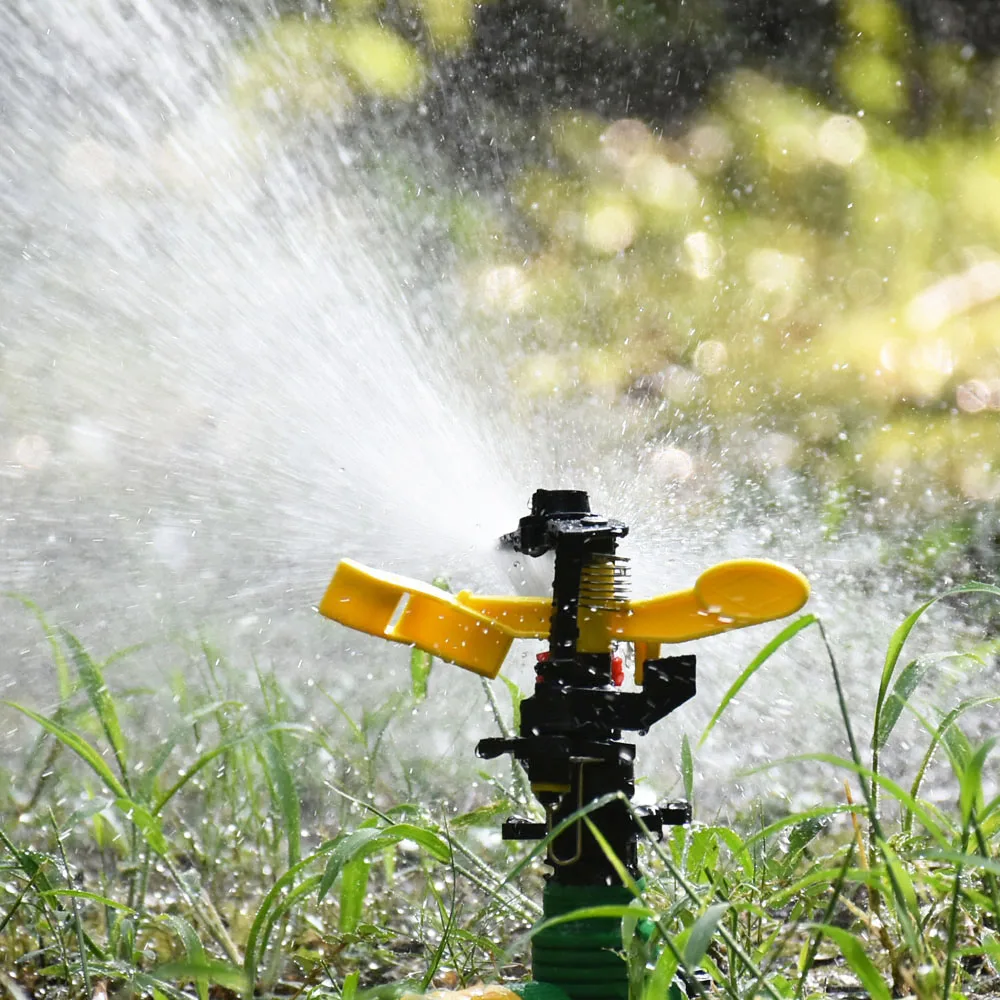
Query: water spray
570,736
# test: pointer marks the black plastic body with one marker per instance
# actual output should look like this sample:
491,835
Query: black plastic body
569,739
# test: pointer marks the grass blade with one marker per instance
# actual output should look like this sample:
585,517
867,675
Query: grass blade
907,906
58,656
77,922
738,847
811,947
936,738
516,697
287,796
269,904
146,823
303,889
371,840
949,970
907,682
620,870
793,819
919,808
230,977
853,950
206,758
962,860
434,845
101,700
344,851
800,837
350,987
893,652
662,977
687,769
483,816
758,661
194,951
353,889
78,745
959,748
91,897
702,932
970,794
899,637
420,672
148,785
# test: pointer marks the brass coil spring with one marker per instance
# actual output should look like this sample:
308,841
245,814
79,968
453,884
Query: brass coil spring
604,582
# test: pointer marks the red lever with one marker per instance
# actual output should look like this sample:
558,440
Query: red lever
541,658
617,670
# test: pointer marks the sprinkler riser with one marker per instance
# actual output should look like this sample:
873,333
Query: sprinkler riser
569,742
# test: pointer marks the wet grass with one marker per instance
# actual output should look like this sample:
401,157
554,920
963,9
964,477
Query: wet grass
250,851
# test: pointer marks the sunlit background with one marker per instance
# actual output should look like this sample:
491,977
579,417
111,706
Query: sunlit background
283,285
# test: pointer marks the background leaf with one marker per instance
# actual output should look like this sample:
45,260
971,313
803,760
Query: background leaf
853,950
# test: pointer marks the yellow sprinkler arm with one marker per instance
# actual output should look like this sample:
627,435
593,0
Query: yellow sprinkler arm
417,614
475,632
729,595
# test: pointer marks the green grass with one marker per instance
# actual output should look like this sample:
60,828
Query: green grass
241,851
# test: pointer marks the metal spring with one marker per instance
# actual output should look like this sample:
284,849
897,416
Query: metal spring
604,582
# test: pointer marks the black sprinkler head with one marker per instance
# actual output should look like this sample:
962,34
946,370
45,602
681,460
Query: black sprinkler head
555,513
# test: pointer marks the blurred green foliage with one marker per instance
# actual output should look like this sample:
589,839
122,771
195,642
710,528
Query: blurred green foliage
309,65
816,268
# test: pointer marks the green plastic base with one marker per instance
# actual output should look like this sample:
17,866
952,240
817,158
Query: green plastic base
539,991
582,958
534,990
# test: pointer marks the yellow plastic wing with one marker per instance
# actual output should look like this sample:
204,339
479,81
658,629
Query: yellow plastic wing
526,617
475,631
408,611
727,596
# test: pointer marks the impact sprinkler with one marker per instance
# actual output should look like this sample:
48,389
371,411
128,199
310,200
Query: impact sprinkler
570,736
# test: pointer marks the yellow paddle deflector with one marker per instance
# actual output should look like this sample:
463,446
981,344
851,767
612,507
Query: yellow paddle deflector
415,613
475,631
